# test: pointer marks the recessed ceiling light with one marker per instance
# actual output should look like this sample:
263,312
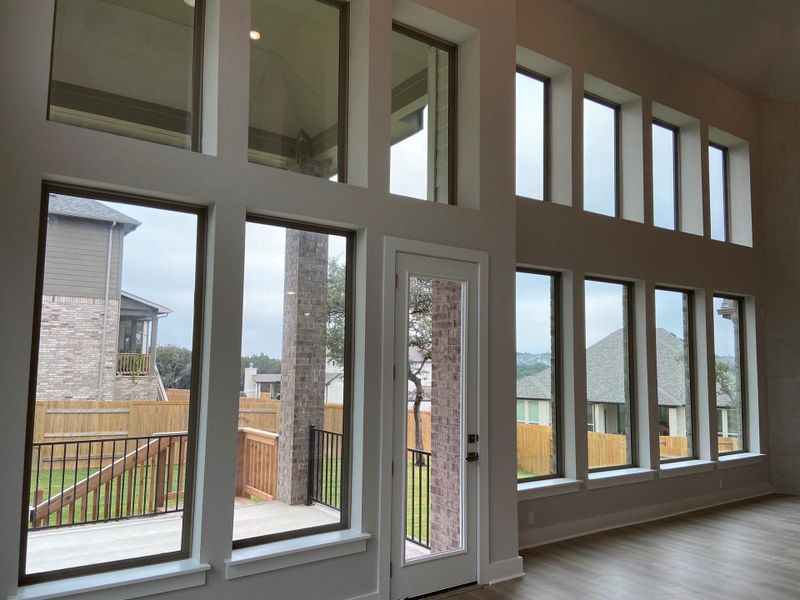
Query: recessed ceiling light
255,35
306,314
290,293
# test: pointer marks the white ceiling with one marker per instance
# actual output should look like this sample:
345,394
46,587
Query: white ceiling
752,44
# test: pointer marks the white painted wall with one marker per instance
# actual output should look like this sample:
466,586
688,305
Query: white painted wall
555,235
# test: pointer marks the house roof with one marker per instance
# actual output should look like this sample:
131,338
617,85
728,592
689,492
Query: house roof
86,208
267,378
605,379
162,310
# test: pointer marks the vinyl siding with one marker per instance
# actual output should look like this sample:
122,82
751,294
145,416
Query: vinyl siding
76,254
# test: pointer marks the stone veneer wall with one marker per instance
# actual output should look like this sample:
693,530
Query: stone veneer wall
69,348
446,459
303,358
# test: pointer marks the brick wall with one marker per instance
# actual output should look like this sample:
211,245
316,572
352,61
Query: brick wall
303,357
69,348
446,459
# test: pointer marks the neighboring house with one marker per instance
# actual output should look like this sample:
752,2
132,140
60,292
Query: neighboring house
605,384
97,342
256,384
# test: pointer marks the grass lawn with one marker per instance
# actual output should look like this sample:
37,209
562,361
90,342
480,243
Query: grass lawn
53,486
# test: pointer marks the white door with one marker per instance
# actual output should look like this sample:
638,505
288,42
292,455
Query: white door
435,443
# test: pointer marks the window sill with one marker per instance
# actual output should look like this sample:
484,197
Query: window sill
604,479
120,585
296,551
685,467
742,459
531,490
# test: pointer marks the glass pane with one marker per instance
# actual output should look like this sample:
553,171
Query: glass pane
718,188
673,357
664,190
728,366
536,380
608,385
292,404
420,119
109,454
125,66
433,474
294,86
599,158
530,136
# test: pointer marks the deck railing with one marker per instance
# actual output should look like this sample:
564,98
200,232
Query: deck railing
324,467
418,497
133,364
257,464
94,481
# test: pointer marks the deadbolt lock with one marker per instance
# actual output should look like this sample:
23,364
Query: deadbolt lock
472,438
472,456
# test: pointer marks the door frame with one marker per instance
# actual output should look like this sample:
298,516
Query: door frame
392,246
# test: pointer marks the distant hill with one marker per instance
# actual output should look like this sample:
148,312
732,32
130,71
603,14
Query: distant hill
531,364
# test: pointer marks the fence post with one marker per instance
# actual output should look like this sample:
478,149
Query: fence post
311,453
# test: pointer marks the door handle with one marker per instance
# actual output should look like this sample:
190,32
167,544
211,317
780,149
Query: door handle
472,457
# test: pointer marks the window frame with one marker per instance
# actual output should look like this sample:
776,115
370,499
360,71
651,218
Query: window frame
348,397
617,108
452,100
726,194
547,131
740,340
198,60
629,321
201,212
693,395
676,162
557,345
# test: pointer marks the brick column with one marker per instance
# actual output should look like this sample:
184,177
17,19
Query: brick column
303,358
446,459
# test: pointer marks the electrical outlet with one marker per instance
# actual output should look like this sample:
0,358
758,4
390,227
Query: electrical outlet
530,519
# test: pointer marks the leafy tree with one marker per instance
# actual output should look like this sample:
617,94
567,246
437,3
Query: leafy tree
420,338
262,362
174,365
336,312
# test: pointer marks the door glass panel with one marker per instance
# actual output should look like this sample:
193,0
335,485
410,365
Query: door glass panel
434,465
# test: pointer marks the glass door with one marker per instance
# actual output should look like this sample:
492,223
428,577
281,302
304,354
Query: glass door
436,452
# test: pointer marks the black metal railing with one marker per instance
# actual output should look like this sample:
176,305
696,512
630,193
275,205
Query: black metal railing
418,503
100,480
324,467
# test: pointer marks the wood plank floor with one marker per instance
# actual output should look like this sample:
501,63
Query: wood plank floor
748,550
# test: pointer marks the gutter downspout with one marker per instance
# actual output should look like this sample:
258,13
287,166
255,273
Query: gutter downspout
105,312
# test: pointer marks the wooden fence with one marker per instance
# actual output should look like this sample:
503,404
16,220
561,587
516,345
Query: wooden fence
74,420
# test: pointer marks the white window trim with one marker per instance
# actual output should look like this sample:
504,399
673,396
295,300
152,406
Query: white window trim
293,552
532,490
740,459
685,467
604,479
123,584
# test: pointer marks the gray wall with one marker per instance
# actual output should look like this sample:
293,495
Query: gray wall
779,124
76,259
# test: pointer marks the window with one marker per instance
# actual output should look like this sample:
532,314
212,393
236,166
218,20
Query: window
609,369
674,339
729,361
110,463
130,68
294,407
600,156
718,192
537,375
665,175
298,91
533,99
423,126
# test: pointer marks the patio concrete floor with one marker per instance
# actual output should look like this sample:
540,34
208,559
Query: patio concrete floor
80,545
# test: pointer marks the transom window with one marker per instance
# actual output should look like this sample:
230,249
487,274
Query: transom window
532,134
719,192
600,156
666,212
423,126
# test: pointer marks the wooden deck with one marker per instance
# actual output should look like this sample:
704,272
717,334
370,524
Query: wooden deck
748,550
105,542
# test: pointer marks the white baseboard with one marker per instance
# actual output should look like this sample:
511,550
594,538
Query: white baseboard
370,596
502,570
530,538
